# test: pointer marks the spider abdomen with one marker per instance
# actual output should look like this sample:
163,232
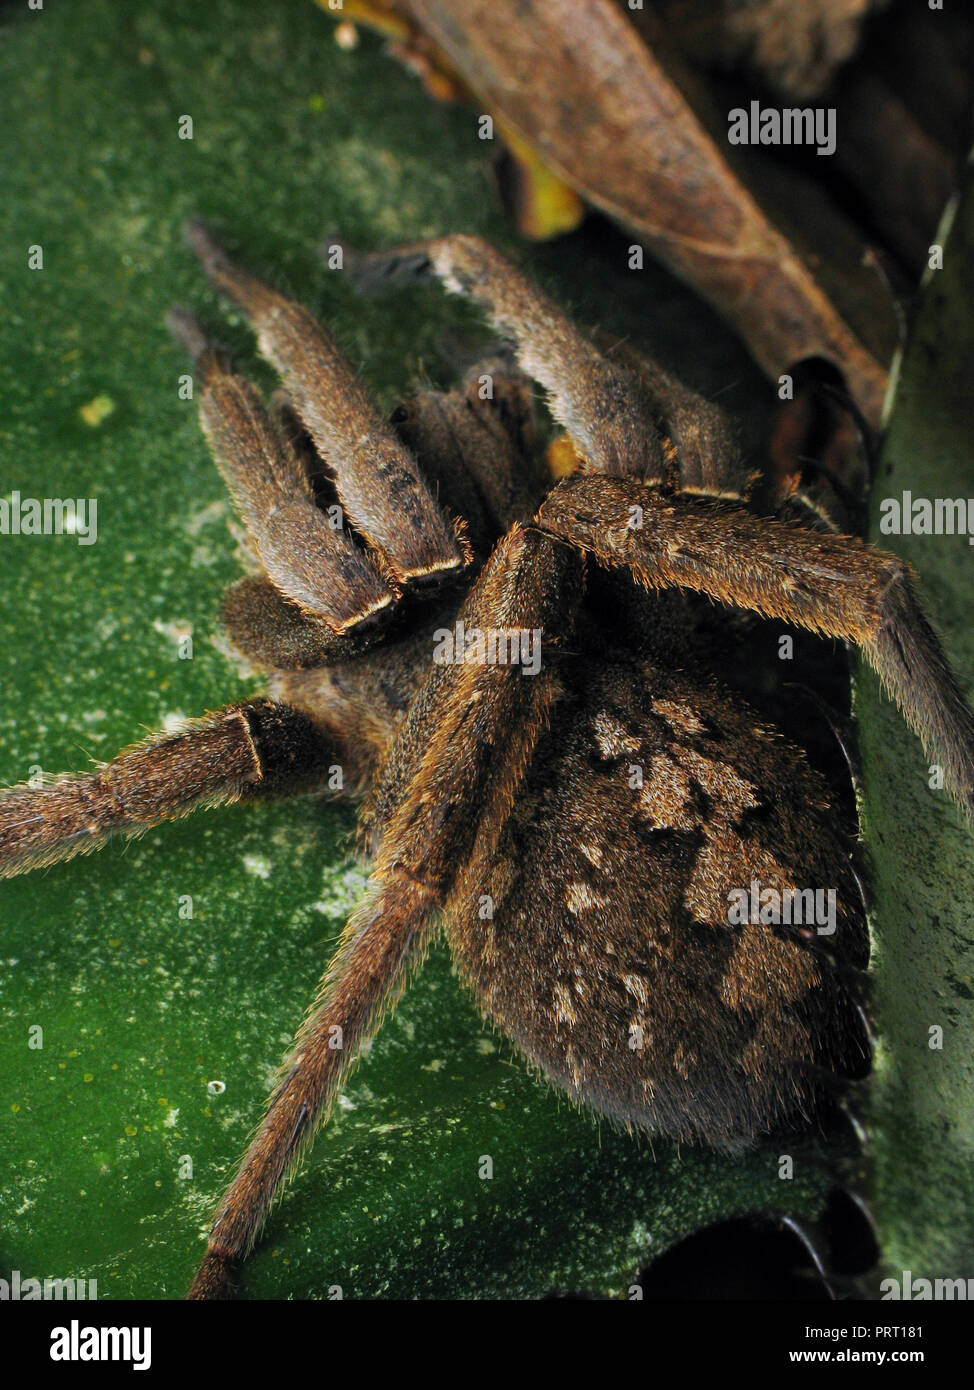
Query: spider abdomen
600,934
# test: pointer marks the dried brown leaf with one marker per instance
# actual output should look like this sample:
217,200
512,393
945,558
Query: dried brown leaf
580,86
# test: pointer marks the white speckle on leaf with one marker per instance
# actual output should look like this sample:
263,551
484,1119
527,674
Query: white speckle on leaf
175,631
257,865
216,511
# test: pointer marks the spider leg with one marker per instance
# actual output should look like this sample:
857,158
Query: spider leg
314,565
378,481
625,415
255,748
834,585
272,631
366,975
475,446
701,439
461,755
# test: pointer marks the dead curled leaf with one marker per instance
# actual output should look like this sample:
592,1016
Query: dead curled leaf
583,89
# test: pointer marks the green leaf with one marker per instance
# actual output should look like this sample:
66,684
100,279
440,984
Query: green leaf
922,852
141,1006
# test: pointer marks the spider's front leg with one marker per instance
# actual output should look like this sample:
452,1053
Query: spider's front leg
378,480
625,416
316,570
834,585
456,766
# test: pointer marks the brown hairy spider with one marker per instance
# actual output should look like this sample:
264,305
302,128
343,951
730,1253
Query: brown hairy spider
603,803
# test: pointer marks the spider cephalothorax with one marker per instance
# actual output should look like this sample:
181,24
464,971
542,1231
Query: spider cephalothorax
517,679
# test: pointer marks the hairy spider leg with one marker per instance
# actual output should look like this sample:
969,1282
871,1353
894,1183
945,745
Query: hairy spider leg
258,747
378,481
474,445
835,585
313,564
452,779
624,415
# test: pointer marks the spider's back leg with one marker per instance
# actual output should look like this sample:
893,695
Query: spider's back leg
834,585
323,730
456,768
251,749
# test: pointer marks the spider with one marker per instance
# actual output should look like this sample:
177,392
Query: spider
515,677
